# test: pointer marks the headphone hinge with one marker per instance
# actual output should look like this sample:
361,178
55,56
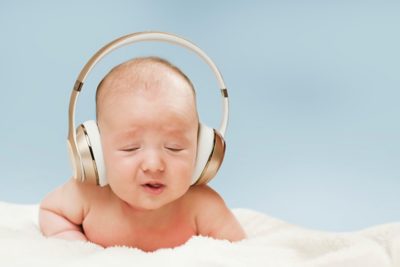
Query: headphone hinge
224,92
78,85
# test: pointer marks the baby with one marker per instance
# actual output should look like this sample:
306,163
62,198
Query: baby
148,121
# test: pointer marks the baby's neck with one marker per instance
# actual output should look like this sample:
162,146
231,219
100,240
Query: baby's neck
151,218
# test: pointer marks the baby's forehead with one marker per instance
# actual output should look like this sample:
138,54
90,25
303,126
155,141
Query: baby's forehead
145,74
133,113
146,79
171,107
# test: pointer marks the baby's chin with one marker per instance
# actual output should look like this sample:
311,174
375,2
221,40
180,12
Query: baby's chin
150,205
142,200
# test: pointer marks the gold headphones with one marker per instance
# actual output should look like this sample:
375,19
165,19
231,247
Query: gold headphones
84,142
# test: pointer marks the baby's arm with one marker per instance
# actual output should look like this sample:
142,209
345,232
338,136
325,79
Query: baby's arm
61,213
215,219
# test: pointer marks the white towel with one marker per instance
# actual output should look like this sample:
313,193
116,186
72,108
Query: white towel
270,242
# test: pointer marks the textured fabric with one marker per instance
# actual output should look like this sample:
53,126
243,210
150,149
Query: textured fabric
270,242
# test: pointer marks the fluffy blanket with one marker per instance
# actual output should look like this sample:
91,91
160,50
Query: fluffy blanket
270,242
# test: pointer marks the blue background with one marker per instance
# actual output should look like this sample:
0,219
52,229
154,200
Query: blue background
314,135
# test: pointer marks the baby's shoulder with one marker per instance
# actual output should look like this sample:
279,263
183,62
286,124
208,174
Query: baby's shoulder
202,192
81,191
73,195
212,216
204,200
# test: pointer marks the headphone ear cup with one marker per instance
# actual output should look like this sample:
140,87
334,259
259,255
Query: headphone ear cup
91,153
210,154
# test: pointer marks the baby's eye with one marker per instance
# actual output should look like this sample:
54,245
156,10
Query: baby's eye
174,149
129,149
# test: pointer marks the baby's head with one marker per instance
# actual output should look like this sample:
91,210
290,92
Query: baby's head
148,122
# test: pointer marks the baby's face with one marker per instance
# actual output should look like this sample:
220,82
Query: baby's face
149,140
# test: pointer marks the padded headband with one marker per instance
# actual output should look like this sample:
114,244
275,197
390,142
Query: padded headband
126,40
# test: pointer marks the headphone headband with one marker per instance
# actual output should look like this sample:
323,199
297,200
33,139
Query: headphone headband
122,41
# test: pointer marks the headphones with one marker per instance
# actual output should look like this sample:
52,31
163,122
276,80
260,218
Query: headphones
84,142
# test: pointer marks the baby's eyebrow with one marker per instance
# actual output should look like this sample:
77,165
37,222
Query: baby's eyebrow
168,132
126,134
177,131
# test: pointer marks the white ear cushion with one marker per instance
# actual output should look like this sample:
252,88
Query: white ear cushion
95,142
204,149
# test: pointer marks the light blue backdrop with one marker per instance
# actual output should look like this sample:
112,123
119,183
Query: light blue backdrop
314,135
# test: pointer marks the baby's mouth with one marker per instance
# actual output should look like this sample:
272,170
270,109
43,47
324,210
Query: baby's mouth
154,188
155,185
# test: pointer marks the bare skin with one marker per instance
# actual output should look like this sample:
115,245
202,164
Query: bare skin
148,125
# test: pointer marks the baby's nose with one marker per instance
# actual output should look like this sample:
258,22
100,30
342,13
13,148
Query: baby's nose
153,161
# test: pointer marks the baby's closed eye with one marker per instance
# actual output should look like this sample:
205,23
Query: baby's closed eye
174,148
130,148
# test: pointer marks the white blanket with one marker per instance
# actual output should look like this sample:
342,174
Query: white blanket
270,242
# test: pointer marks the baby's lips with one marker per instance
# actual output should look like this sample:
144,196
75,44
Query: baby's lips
154,184
153,188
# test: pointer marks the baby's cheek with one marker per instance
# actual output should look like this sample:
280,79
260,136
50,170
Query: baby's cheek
185,172
115,169
122,166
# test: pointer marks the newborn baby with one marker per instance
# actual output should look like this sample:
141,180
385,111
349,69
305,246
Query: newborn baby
148,122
